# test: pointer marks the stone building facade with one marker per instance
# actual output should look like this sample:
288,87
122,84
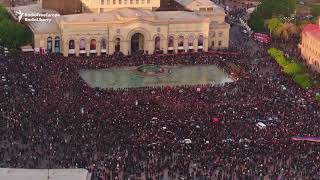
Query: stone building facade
97,6
131,30
310,46
63,6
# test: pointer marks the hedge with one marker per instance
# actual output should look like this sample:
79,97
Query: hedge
303,80
293,68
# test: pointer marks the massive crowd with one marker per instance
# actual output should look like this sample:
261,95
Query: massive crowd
50,118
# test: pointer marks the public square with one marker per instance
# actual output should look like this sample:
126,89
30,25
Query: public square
53,118
187,110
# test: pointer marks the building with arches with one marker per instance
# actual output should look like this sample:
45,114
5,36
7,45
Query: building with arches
132,30
310,46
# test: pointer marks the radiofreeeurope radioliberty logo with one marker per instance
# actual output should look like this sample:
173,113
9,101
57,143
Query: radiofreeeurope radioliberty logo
35,17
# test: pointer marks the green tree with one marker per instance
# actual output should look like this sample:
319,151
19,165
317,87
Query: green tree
13,35
266,8
3,13
256,22
315,10
274,25
269,8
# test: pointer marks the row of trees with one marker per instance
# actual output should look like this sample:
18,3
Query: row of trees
268,9
292,68
12,34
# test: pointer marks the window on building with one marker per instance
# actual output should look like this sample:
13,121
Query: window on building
103,44
148,1
131,1
202,9
49,44
125,1
93,44
120,2
213,34
71,44
108,1
170,41
114,1
212,43
180,41
157,43
219,43
200,40
220,34
102,2
142,1
190,40
137,1
82,46
57,44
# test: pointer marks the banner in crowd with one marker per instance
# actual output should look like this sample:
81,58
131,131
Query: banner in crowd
305,138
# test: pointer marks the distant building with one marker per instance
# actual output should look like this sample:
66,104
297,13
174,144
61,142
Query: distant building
96,6
129,26
310,45
63,6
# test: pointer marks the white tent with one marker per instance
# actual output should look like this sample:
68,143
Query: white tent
251,10
42,174
261,125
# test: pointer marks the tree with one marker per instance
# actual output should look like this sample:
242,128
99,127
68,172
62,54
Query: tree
256,22
269,8
3,13
286,30
274,25
315,10
13,35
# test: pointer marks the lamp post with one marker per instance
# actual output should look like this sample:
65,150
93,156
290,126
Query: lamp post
50,148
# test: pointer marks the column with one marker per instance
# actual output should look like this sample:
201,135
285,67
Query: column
150,45
164,45
186,44
88,41
65,48
77,46
124,47
205,44
175,45
110,47
98,47
195,44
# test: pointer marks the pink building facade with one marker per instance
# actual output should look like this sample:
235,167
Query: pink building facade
310,46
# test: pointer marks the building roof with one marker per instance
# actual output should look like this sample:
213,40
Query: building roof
41,174
123,14
195,4
38,27
313,30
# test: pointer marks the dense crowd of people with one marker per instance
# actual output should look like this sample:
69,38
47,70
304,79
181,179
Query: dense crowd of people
50,118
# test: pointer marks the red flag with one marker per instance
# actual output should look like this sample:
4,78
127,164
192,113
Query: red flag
215,120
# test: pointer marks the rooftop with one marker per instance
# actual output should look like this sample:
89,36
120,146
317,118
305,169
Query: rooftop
195,4
132,14
313,30
40,27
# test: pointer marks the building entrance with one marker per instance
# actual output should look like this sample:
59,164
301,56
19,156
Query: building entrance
137,43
